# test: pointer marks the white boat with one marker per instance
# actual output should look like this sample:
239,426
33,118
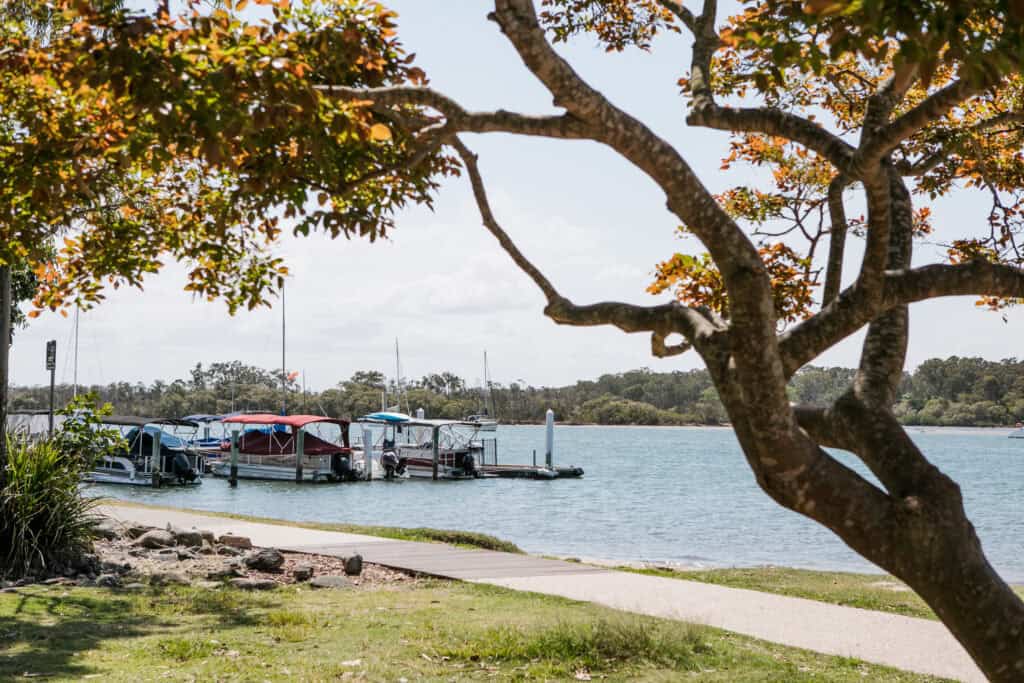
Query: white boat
1018,433
153,456
483,422
427,449
298,448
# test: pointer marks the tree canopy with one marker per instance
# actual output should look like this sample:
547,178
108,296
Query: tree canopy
131,137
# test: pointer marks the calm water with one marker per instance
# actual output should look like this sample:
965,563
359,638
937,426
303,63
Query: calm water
658,494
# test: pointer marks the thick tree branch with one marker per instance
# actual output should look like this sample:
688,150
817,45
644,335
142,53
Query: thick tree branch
932,108
660,320
851,310
836,237
678,9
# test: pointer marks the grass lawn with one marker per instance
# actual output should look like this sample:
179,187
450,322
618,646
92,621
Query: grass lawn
867,591
424,630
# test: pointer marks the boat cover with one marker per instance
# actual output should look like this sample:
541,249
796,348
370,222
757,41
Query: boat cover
261,443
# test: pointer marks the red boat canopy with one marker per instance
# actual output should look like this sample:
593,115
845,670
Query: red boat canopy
295,421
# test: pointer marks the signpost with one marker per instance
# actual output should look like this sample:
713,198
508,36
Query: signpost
51,365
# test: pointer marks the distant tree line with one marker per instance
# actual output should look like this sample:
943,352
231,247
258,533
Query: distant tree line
955,391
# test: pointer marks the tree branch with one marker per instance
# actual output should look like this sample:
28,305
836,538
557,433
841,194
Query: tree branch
563,126
836,238
685,15
660,320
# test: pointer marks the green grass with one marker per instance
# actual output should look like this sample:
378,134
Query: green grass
466,539
878,592
430,630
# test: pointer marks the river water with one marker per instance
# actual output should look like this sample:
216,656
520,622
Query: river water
680,495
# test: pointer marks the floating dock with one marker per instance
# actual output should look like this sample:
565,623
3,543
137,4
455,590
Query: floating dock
530,471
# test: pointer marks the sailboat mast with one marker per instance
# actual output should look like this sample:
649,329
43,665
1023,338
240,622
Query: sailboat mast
75,370
284,373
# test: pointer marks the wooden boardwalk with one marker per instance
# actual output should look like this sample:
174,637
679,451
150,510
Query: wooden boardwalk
903,642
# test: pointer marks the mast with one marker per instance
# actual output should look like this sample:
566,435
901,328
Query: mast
284,373
75,370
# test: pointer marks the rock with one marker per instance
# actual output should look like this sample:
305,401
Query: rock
208,536
240,542
265,560
185,554
228,550
86,563
186,537
253,584
354,565
108,580
207,548
228,571
207,585
108,529
113,567
134,586
155,538
169,578
302,572
330,582
136,530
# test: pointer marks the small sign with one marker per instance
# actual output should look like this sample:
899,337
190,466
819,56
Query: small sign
51,354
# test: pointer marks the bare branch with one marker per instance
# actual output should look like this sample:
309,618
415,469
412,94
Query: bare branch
662,320
563,126
685,15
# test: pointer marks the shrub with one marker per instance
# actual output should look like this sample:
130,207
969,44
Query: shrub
45,525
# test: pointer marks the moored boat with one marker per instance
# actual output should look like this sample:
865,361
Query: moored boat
153,456
1019,432
300,448
428,449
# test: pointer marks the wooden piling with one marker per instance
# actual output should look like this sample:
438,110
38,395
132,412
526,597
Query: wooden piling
300,453
233,478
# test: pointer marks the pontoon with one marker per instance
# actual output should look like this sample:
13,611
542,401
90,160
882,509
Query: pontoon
431,449
153,455
287,448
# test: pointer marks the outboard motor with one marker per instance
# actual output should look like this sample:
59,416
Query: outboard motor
182,469
342,468
469,465
391,464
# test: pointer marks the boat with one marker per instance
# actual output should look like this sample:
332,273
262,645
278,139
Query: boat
1018,433
427,449
483,421
287,448
153,456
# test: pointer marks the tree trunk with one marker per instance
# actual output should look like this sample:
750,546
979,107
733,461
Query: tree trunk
5,357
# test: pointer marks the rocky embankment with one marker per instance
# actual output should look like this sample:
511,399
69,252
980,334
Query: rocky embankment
131,556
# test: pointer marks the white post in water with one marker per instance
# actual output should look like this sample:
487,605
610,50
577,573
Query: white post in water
420,414
156,462
368,452
549,438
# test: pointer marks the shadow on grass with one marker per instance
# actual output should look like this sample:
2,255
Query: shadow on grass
43,630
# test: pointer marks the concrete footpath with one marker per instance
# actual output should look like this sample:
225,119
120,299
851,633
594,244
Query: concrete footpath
902,642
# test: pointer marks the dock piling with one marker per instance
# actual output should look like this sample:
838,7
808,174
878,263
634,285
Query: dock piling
300,453
368,453
155,461
549,438
436,439
233,478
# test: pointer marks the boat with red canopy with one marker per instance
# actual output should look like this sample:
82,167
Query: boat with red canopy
287,448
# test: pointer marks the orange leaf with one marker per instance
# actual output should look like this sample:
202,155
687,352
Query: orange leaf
380,132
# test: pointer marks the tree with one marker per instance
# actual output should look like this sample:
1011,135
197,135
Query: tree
899,102
127,137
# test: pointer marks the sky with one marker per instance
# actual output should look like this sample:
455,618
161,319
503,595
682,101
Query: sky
441,285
